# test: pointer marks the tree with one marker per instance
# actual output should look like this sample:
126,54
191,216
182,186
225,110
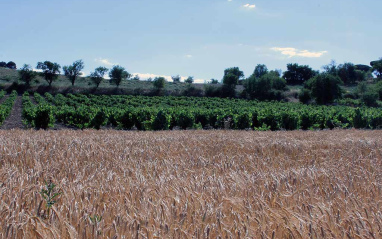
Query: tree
331,68
27,74
98,74
73,71
3,64
230,79
136,78
364,68
189,80
377,68
214,81
159,83
175,79
50,70
348,73
117,74
266,87
11,65
260,70
324,88
297,74
234,71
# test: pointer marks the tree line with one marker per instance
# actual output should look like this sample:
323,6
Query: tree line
322,87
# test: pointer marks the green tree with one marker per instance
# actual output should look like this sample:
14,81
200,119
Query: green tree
175,79
117,74
348,73
260,70
324,88
189,80
27,74
50,70
331,68
298,74
11,65
266,87
214,81
234,71
159,83
377,68
136,78
74,70
98,75
3,64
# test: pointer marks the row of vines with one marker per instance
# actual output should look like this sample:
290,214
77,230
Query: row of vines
6,106
162,113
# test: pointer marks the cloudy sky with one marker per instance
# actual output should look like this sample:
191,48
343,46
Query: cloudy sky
197,38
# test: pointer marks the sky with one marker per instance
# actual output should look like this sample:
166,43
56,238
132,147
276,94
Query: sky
198,38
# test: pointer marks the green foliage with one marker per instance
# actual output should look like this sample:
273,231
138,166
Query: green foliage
159,83
117,74
214,81
162,113
161,121
43,116
98,75
74,70
260,70
370,97
234,71
267,87
304,96
7,105
189,80
230,79
298,74
378,88
27,74
324,88
377,68
176,79
50,70
49,194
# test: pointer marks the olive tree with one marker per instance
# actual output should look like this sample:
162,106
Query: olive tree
117,74
98,74
74,70
50,70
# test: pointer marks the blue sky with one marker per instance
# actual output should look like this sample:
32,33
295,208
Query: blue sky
197,38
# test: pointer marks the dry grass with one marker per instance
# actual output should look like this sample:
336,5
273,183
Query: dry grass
192,184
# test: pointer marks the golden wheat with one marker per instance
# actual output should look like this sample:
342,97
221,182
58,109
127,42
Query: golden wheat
192,184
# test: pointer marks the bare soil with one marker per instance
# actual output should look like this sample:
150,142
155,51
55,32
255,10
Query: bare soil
14,120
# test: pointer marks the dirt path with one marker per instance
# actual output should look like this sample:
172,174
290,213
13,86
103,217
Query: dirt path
14,120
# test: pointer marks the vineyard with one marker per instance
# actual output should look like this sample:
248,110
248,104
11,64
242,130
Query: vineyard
169,112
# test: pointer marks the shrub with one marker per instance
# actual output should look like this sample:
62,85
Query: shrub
304,96
185,119
243,121
44,116
369,98
161,121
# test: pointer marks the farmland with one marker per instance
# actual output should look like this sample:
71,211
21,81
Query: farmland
170,112
184,184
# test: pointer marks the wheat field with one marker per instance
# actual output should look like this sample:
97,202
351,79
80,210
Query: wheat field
191,184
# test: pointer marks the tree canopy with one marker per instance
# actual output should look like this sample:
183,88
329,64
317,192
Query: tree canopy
324,88
98,75
298,74
74,70
117,74
27,74
50,70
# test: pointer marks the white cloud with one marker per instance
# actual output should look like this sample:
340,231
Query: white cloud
188,56
249,5
145,76
292,52
104,61
36,70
